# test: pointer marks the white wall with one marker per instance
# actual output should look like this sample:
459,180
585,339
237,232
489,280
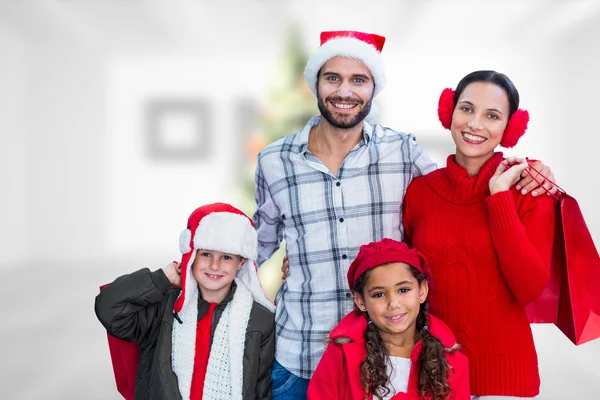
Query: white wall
13,144
80,203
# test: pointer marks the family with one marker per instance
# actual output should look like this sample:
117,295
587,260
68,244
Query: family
401,280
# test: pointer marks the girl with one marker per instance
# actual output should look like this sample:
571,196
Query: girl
389,347
489,246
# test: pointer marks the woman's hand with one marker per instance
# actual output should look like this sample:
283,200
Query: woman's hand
507,174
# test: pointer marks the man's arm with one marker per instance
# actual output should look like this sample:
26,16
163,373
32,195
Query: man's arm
421,163
267,220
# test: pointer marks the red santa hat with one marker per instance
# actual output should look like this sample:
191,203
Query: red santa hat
219,227
365,47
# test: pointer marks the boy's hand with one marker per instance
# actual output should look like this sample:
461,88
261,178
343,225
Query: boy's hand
285,268
173,273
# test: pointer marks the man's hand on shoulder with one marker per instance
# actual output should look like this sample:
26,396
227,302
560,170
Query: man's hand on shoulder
528,184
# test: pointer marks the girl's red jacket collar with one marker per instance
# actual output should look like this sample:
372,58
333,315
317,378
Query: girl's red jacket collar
338,374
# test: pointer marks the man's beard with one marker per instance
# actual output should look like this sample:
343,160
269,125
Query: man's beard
344,123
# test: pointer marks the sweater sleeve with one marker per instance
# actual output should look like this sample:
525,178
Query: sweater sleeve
129,308
523,241
325,382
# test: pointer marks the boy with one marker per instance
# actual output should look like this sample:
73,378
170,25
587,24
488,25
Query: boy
204,327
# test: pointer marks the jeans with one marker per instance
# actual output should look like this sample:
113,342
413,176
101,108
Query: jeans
287,386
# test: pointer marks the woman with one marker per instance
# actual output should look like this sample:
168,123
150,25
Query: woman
489,246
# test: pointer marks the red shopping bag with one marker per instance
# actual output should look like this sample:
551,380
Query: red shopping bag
571,300
125,358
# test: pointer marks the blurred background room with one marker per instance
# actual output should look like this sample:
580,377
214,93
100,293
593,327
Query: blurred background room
118,118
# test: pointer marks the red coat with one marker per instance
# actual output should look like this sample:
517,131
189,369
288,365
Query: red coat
338,374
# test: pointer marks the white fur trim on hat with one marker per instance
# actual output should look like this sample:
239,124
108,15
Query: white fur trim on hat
351,48
184,241
249,277
228,233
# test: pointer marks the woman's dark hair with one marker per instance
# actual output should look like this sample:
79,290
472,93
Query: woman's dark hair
432,364
497,79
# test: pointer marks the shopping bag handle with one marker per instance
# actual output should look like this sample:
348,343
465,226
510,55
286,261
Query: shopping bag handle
560,190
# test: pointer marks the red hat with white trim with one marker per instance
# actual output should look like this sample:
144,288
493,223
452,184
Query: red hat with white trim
220,227
365,47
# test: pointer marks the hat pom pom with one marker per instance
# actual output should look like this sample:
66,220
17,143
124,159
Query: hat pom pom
446,107
185,238
517,125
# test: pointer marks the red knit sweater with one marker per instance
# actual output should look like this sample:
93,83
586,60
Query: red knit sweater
489,257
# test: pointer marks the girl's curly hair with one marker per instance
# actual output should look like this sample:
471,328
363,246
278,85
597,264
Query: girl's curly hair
434,368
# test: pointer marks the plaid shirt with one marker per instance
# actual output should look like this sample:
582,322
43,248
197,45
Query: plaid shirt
324,219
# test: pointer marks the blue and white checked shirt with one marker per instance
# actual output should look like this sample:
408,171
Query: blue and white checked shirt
324,220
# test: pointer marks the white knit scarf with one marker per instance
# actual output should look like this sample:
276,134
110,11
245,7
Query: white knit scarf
224,373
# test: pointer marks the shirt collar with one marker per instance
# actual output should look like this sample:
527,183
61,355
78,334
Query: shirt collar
316,120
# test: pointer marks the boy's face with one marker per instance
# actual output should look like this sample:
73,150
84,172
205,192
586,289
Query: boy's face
214,271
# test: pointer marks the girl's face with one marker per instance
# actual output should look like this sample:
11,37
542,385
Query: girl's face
479,120
392,297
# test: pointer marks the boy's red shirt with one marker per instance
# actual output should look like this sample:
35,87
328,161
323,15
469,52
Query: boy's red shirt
202,353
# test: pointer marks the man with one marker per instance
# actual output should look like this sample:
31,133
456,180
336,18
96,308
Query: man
327,189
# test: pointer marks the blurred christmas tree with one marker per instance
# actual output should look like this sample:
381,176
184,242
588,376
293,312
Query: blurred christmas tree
289,106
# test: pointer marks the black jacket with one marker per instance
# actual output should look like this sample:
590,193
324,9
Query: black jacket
139,308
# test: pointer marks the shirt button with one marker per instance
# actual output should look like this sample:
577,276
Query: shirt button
344,257
337,184
348,295
341,219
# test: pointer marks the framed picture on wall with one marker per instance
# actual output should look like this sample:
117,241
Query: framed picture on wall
178,129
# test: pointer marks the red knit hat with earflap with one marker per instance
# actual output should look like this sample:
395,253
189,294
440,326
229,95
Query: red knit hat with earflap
382,252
